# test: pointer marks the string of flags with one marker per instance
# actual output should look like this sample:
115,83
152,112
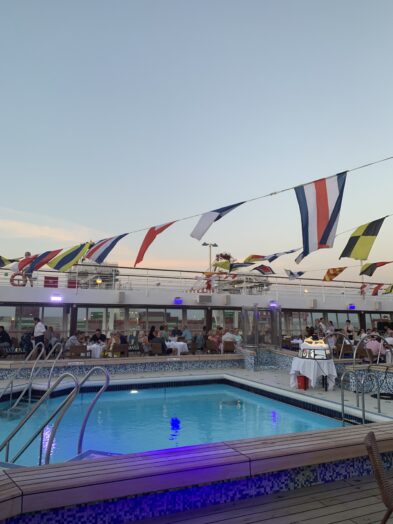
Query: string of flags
319,204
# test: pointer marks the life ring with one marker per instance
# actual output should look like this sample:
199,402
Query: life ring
16,281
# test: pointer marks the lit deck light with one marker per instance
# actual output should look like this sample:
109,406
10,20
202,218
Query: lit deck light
56,298
134,391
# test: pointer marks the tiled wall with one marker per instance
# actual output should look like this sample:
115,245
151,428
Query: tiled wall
135,367
122,511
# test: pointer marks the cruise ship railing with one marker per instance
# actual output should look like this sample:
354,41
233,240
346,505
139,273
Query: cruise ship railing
60,411
10,384
359,391
363,343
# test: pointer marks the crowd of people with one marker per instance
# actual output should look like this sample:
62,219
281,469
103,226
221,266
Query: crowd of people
323,329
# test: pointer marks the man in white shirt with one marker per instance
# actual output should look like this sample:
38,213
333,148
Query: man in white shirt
39,331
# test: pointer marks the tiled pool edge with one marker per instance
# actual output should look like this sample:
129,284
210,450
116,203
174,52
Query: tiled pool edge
151,505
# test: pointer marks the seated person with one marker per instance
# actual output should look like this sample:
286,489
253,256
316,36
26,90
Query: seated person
5,340
200,341
376,347
73,340
187,334
159,339
176,332
26,342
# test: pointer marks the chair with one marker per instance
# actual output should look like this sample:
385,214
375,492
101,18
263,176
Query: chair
181,339
120,350
79,352
211,347
193,348
155,349
228,346
385,488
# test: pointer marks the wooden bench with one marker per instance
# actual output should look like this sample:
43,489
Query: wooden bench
71,483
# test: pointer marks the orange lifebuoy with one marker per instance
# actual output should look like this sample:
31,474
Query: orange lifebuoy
18,282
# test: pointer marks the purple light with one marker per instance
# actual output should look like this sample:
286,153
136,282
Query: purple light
273,304
56,298
351,306
178,301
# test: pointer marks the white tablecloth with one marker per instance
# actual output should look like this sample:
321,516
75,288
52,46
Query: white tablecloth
180,347
312,369
95,349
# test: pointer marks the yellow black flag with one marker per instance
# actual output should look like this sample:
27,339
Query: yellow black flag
362,239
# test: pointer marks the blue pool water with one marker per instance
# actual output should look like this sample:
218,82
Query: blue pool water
128,421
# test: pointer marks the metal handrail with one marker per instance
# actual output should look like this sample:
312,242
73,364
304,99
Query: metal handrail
92,403
65,404
371,337
361,382
90,409
30,381
55,361
15,375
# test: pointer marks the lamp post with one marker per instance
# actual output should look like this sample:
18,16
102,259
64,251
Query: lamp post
210,252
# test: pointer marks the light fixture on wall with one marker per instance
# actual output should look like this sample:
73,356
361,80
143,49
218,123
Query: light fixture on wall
56,298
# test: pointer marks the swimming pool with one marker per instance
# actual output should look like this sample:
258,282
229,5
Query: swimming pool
133,420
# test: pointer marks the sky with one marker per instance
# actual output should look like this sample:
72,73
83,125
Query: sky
120,115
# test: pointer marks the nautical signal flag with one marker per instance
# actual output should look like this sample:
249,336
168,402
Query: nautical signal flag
363,288
240,265
376,289
362,239
254,258
42,259
292,275
207,219
264,270
388,290
66,259
101,249
369,269
149,239
26,261
320,205
5,261
223,264
332,273
274,256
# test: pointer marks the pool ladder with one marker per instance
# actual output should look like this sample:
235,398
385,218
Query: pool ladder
46,441
359,391
39,351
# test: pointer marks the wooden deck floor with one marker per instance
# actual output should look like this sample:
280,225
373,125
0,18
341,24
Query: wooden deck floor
354,501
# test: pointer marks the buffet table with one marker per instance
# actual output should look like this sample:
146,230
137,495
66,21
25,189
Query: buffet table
313,369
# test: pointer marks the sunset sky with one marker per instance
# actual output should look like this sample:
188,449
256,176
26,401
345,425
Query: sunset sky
118,116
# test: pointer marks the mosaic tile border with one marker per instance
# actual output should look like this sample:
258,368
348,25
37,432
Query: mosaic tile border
133,509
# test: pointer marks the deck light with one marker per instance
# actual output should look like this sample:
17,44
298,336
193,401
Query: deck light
351,306
274,305
56,298
178,301
98,281
133,391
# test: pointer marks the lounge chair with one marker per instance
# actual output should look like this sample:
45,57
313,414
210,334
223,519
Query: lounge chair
384,485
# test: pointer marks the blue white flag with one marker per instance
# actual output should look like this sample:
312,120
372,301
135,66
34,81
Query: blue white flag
101,249
320,205
292,275
274,256
207,219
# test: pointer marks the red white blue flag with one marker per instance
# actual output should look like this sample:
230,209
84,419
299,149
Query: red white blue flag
101,249
320,205
41,260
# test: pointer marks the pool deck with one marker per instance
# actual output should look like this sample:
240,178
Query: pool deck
39,489
353,501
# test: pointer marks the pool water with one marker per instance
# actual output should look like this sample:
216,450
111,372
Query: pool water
130,421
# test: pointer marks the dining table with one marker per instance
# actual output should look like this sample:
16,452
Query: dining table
179,347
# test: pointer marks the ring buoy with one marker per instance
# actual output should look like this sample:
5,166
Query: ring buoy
16,281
